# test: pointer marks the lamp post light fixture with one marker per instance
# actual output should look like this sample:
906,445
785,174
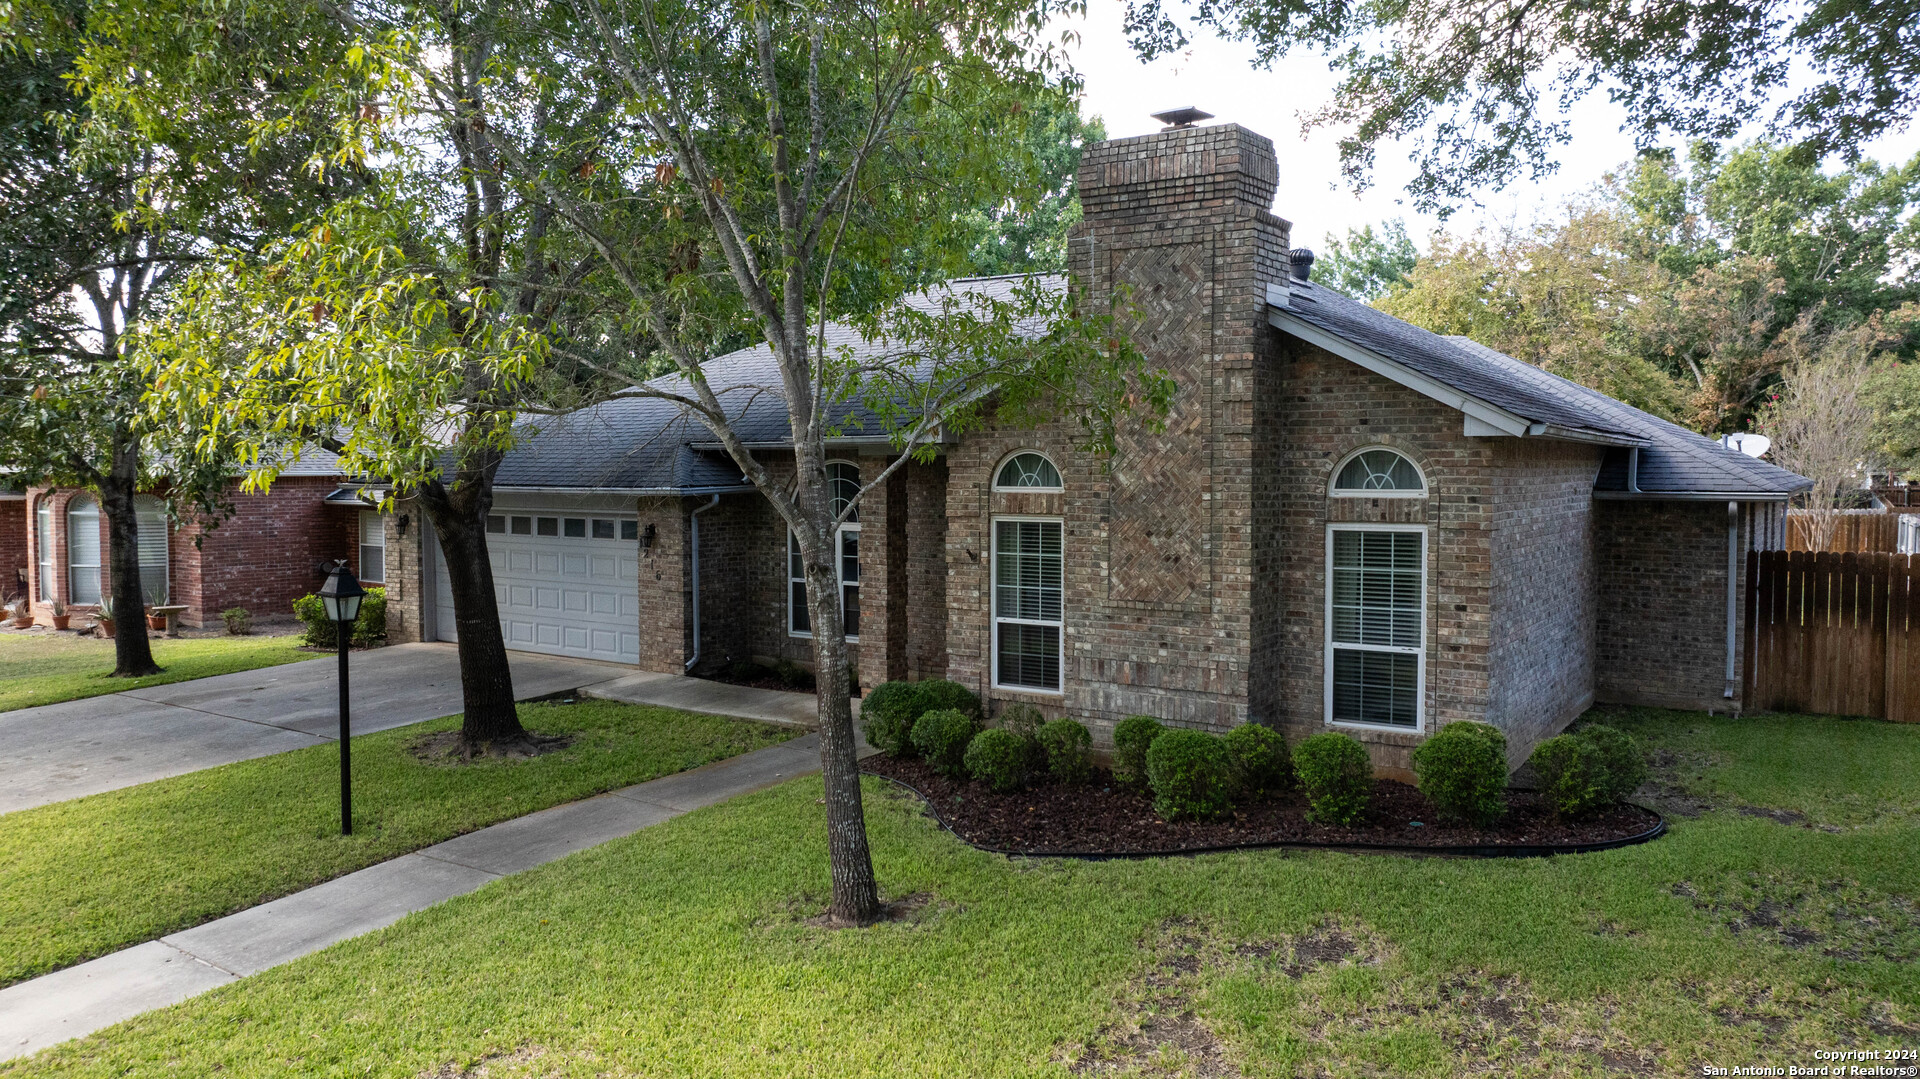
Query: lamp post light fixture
340,596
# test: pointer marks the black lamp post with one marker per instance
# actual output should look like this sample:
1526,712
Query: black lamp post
341,598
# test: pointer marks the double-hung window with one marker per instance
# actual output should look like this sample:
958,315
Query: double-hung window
1028,572
843,487
373,546
1376,624
43,543
83,550
150,520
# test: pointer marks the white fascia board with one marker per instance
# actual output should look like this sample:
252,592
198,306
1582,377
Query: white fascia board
1483,420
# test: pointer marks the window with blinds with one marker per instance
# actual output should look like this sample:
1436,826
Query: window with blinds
150,518
83,550
1376,611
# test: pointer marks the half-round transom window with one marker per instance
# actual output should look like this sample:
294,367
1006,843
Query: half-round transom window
1371,472
843,488
1028,472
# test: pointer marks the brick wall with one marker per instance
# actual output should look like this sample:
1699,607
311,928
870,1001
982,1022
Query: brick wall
62,500
1541,668
1662,625
1328,408
406,551
266,555
13,547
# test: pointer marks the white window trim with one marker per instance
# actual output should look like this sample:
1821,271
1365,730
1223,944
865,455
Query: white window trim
1326,634
98,568
360,548
1334,477
993,592
45,577
163,530
1001,465
840,581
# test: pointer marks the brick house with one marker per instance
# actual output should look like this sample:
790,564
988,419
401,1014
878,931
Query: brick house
1347,522
263,557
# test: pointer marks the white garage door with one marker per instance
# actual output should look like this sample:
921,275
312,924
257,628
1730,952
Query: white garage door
566,583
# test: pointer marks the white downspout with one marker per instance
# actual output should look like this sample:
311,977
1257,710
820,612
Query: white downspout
1733,592
694,520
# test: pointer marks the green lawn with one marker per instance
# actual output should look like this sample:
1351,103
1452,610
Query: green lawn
89,876
685,950
47,668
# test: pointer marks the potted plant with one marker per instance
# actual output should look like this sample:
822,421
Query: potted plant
61,616
104,616
156,622
22,614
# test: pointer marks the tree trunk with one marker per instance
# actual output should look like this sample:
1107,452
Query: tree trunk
486,683
132,654
856,894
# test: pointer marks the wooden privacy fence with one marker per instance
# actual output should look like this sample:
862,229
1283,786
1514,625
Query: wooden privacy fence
1853,530
1833,633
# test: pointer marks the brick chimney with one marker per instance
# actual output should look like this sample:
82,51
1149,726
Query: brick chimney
1181,219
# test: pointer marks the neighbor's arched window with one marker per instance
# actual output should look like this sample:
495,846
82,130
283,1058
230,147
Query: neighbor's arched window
1027,472
83,550
843,490
150,518
1378,472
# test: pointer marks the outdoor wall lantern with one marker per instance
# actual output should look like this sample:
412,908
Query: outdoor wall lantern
646,537
340,596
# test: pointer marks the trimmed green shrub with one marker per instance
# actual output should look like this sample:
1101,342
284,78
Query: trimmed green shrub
1259,760
998,758
938,693
370,626
1191,775
1069,749
1131,738
1023,720
1337,776
942,736
1463,771
238,620
887,713
1625,761
1573,776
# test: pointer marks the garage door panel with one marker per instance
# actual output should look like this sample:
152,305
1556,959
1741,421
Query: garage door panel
564,595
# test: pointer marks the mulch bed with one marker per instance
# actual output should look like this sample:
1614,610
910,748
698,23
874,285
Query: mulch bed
1102,818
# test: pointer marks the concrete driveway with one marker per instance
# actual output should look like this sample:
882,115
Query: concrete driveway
68,750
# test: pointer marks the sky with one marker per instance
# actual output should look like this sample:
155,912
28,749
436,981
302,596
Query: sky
1219,77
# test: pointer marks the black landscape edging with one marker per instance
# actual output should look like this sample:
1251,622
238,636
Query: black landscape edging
1536,850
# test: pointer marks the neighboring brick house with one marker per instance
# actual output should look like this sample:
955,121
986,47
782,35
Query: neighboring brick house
265,555
1346,521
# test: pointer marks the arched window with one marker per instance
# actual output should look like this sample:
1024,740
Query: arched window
43,549
83,550
1378,472
150,517
1027,472
843,488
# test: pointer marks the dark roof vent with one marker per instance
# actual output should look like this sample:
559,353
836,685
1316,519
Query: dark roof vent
1302,263
1184,116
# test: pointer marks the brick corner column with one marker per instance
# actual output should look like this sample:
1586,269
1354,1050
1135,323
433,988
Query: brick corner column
665,585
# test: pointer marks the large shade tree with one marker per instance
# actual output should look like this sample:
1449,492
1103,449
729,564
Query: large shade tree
1484,89
677,178
86,257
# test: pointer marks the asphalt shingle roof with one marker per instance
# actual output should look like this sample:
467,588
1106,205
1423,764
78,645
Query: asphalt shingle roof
1673,460
638,442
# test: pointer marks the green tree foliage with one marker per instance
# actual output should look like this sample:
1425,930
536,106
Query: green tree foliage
1368,265
87,257
568,198
1484,91
1685,287
1011,237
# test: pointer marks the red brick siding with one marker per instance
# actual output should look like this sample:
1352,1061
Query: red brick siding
1544,603
1662,625
14,574
264,556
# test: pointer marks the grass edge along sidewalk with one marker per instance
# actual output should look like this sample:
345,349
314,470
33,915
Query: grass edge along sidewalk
88,876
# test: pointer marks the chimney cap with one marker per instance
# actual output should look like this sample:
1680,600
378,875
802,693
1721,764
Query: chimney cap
1184,116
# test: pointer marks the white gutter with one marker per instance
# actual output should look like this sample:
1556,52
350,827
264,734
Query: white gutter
1733,591
694,520
649,491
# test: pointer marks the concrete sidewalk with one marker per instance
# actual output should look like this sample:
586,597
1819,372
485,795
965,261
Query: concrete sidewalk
79,1000
719,698
76,748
